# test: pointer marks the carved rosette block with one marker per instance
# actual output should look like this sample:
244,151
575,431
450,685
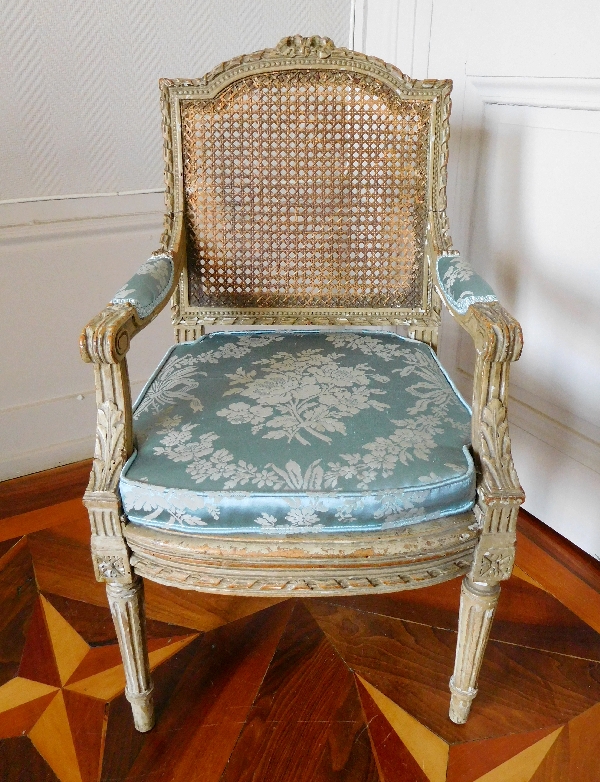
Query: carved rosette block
495,554
127,609
493,564
477,606
110,557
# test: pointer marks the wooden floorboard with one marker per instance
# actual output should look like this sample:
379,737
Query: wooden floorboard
290,690
560,550
308,699
42,489
568,573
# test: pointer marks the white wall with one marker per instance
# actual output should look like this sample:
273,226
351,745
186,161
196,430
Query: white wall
80,134
81,184
524,205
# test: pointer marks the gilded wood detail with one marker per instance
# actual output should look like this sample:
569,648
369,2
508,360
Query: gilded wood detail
127,609
477,607
498,342
105,342
423,541
297,53
406,558
110,442
302,581
481,545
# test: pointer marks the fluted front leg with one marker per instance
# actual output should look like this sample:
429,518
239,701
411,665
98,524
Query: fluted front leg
477,606
127,607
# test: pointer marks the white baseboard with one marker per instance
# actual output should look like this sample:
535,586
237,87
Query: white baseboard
54,455
49,433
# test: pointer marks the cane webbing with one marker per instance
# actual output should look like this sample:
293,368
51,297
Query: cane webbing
306,188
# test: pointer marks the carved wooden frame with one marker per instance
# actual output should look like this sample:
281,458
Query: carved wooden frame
291,54
479,543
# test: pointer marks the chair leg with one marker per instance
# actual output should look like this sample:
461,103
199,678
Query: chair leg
127,608
477,605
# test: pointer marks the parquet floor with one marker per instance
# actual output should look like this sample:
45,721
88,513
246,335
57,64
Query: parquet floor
287,690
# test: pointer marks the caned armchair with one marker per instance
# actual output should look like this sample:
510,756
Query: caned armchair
305,186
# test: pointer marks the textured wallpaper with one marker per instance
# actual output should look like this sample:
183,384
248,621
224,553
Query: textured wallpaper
78,80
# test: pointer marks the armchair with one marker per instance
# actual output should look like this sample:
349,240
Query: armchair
305,185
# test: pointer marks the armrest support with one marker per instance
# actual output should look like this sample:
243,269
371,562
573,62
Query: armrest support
105,342
107,337
498,341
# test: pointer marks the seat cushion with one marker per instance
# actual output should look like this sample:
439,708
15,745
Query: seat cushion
298,431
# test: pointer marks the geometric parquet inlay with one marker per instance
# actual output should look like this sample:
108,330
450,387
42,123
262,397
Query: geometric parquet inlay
289,690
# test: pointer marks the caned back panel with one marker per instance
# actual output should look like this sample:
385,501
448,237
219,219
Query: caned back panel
306,188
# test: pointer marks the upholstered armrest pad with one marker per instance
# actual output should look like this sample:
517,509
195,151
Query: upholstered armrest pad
460,285
149,285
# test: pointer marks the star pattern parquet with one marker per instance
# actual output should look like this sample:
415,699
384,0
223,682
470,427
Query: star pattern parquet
287,690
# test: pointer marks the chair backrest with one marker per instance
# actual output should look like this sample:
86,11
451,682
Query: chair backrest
306,176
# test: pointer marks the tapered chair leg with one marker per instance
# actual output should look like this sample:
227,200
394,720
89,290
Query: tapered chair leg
477,605
127,607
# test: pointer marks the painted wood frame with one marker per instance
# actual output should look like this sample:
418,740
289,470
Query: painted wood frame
479,544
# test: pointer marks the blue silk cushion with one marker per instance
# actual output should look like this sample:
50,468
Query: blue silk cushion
288,432
148,286
461,285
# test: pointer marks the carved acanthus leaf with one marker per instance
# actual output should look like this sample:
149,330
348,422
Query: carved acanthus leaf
109,455
499,473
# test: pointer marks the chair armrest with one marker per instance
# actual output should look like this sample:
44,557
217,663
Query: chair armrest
459,285
107,337
105,342
498,341
150,285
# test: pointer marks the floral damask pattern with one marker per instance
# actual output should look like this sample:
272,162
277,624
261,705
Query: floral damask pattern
148,286
369,346
304,394
461,285
365,433
179,372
